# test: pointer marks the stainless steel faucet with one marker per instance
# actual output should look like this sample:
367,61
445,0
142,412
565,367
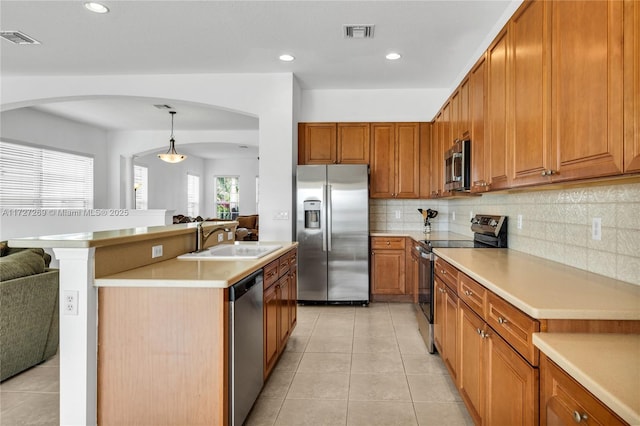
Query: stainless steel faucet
202,236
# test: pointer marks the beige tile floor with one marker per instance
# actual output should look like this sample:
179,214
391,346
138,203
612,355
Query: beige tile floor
347,365
343,365
32,397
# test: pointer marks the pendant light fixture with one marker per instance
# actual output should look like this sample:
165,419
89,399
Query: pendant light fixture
172,156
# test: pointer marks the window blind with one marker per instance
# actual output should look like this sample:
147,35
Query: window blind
32,177
140,184
193,195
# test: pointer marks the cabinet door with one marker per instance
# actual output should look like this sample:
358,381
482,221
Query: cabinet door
531,94
425,160
497,112
388,275
464,124
477,106
439,300
511,385
353,143
271,328
563,400
587,95
293,297
437,158
450,338
382,182
632,86
407,160
319,143
455,115
471,366
284,321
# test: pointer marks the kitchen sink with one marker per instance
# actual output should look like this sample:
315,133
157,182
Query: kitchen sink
232,251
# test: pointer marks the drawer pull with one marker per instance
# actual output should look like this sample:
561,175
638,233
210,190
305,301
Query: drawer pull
501,320
443,272
442,290
388,242
468,293
579,417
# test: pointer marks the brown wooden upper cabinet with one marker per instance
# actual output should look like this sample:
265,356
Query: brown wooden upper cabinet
497,143
587,89
477,106
437,159
395,160
425,160
333,143
632,83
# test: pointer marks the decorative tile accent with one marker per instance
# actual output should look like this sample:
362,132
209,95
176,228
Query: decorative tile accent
556,224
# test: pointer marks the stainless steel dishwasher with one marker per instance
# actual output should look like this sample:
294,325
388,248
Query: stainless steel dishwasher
246,371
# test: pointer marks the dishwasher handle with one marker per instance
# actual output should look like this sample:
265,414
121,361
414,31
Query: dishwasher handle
243,286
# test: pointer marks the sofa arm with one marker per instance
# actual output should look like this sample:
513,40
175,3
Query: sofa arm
29,305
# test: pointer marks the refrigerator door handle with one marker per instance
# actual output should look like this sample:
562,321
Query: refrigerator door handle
329,218
323,220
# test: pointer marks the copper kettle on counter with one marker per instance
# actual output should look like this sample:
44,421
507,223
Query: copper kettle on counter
426,215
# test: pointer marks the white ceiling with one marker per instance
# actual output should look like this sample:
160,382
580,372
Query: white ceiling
436,39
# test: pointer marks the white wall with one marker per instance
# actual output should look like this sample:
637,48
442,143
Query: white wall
371,105
245,168
266,96
40,128
167,186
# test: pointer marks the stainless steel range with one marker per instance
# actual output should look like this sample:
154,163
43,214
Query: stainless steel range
490,231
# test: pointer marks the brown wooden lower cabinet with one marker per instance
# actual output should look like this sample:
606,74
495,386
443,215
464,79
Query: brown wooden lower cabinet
471,370
279,307
563,401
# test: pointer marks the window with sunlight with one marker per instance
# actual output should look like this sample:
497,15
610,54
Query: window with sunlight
141,187
227,197
39,178
193,195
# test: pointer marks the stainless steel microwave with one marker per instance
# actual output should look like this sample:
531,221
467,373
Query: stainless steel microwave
457,167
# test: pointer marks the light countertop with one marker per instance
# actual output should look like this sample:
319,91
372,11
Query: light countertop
418,235
544,289
607,365
212,273
112,237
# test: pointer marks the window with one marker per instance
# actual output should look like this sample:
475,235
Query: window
140,187
32,177
193,195
227,197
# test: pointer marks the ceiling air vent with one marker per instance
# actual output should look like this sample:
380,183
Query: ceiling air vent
358,31
162,106
16,37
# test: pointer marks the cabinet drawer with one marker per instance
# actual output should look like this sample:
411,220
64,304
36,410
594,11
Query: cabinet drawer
472,293
293,258
270,274
447,273
564,400
396,243
284,265
513,325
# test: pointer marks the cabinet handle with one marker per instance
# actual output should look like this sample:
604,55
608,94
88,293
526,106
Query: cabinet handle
388,242
484,334
443,272
442,290
577,417
501,320
468,293
479,331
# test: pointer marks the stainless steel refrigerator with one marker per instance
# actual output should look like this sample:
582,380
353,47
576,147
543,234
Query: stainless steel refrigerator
332,230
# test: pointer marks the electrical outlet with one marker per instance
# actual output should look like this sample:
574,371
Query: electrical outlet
156,251
229,236
453,216
519,221
70,302
398,214
220,237
596,229
283,215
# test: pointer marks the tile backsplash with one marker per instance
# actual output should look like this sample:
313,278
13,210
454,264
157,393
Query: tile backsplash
556,224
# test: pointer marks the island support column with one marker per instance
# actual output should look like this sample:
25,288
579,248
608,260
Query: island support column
78,338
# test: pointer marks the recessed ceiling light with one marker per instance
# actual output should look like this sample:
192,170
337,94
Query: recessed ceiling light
96,7
286,57
393,56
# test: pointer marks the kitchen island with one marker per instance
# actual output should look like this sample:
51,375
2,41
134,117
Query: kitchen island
179,306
